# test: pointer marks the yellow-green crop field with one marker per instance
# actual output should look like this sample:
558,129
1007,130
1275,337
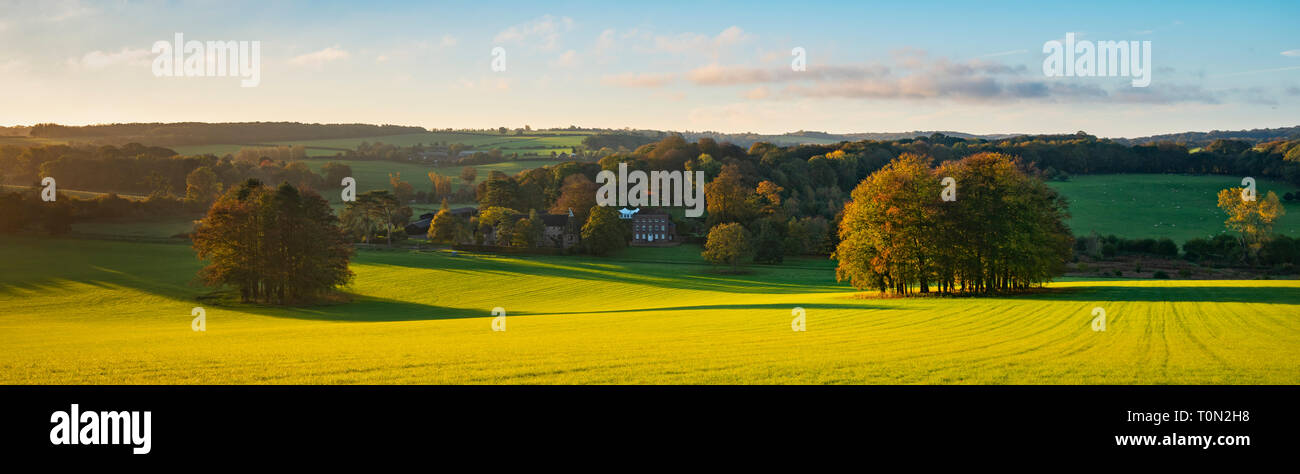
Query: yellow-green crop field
99,312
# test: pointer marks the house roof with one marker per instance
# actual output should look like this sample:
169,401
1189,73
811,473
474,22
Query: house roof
555,220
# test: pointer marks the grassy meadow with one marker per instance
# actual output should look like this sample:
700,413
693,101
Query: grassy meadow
1180,207
373,174
99,312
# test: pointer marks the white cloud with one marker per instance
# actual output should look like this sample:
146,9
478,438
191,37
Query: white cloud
543,32
637,80
606,40
96,60
716,75
730,36
685,42
499,83
448,41
13,66
64,10
1005,53
1293,53
319,58
568,59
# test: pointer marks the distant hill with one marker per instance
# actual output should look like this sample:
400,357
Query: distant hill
1190,139
823,138
1194,139
200,133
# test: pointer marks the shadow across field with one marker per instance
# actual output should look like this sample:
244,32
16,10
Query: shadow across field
1208,294
386,310
682,276
764,307
367,309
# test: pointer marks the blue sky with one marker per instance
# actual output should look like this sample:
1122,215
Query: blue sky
725,66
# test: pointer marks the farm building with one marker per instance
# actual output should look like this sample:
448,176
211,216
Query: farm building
421,226
653,227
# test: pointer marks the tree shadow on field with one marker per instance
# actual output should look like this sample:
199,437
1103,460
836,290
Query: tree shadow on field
684,276
764,307
1208,294
364,309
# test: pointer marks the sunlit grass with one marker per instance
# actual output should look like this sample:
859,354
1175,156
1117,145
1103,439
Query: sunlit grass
1179,207
74,311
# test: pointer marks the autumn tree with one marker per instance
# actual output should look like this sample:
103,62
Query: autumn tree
604,232
728,244
445,227
498,191
402,190
769,194
1252,218
468,175
528,231
888,227
500,221
441,186
769,240
334,174
728,199
578,194
201,186
378,210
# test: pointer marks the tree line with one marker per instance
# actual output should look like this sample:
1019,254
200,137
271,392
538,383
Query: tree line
199,133
144,170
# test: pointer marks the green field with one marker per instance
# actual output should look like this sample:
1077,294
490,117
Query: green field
1180,207
373,174
85,311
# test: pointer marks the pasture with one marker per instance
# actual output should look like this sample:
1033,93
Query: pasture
1180,207
373,174
98,312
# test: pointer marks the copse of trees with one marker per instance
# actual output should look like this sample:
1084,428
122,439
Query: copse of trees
1099,247
279,246
25,211
275,153
617,140
138,169
1004,231
375,213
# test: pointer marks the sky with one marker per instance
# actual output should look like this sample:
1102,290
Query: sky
973,67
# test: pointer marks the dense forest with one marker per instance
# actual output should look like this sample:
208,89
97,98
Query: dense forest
790,200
